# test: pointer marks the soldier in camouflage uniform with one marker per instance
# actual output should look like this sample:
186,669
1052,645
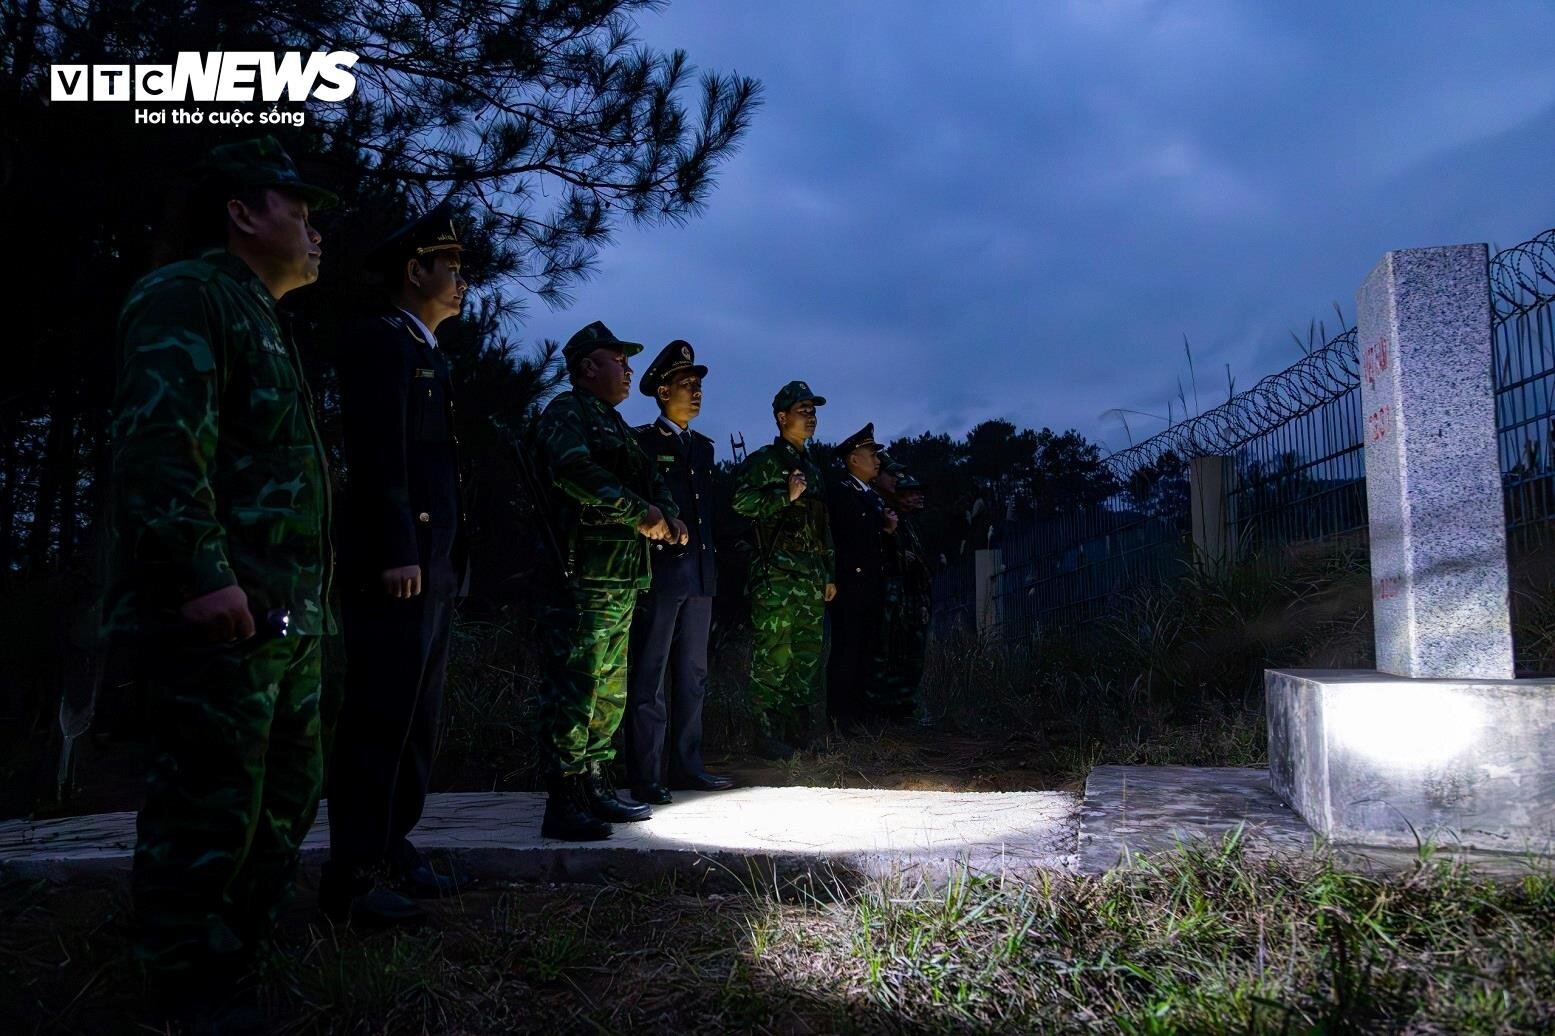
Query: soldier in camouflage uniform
219,526
782,490
612,502
908,600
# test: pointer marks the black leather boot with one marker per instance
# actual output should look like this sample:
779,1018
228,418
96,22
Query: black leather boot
362,897
767,744
603,801
796,731
567,814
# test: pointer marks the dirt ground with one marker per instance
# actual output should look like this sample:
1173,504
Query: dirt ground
545,957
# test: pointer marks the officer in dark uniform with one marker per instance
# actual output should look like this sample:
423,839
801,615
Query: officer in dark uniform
672,619
404,547
860,524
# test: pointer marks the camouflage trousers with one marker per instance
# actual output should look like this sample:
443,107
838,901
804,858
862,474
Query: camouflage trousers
236,767
788,623
584,692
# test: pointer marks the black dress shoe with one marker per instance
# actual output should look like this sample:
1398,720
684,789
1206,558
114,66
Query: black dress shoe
568,815
429,882
604,803
360,896
653,794
702,782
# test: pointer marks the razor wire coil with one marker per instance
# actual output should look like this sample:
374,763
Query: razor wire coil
1522,278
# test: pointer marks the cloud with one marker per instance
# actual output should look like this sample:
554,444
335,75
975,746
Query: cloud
947,213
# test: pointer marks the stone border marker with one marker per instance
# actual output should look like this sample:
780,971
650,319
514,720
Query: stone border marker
1433,480
1441,743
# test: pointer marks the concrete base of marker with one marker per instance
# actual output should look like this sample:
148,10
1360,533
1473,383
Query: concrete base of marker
1368,758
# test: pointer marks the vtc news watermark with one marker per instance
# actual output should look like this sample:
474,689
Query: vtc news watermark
213,77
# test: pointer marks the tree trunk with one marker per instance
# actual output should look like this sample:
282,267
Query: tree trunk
69,485
10,472
57,467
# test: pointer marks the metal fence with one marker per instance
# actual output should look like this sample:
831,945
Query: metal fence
1523,283
954,594
1295,471
1067,570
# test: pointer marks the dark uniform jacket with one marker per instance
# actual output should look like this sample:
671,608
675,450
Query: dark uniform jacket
858,531
402,454
219,475
689,571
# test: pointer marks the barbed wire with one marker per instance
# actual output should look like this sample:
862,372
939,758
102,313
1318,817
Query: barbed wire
1522,278
1322,375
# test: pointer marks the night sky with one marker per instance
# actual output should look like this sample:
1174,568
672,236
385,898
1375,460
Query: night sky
950,212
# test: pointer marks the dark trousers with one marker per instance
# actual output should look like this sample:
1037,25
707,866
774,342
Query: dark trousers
857,617
396,659
668,654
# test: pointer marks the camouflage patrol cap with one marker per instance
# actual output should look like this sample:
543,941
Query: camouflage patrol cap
431,232
672,359
865,436
260,162
596,336
795,392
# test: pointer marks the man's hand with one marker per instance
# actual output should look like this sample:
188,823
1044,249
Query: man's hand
890,520
679,534
831,591
403,582
653,525
220,615
796,485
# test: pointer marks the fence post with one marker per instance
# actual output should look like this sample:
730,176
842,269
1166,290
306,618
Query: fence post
1209,479
987,566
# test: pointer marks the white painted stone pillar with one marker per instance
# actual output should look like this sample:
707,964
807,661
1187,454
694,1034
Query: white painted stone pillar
1208,480
1433,480
987,566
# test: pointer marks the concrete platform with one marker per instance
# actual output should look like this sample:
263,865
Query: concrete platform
744,833
758,834
1379,760
1136,811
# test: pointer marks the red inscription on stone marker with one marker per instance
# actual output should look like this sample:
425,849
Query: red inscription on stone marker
1374,360
1377,423
1387,588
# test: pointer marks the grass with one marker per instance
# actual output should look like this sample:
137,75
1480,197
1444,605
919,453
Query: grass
1207,939
1204,940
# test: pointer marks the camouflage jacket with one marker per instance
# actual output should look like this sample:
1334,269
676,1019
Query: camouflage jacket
219,475
793,539
605,484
